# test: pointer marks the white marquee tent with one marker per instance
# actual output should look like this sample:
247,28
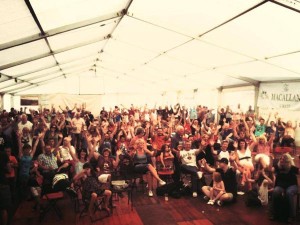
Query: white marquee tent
147,51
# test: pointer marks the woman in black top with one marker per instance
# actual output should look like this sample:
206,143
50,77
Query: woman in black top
286,186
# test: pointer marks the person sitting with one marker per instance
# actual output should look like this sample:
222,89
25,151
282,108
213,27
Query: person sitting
67,155
91,189
106,165
263,149
286,186
166,154
189,164
223,152
244,160
264,181
217,190
228,175
205,152
141,164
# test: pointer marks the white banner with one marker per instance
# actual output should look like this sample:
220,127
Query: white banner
279,96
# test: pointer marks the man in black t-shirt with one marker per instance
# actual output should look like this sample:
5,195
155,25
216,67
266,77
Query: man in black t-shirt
228,175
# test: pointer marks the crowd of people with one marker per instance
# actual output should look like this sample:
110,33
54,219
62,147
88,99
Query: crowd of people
236,147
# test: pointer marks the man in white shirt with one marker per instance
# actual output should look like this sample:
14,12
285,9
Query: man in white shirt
24,123
189,164
78,125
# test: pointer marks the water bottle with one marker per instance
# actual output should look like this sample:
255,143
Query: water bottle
166,197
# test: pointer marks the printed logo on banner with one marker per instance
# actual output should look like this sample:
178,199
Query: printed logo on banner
285,87
279,96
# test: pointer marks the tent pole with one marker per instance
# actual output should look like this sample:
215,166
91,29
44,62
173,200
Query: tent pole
256,93
220,90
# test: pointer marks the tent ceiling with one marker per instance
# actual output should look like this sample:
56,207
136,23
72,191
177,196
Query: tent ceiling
135,46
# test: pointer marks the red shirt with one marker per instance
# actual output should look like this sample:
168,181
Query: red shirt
14,161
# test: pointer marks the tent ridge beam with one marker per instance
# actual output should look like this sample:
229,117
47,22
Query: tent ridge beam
285,6
234,86
280,81
233,18
58,30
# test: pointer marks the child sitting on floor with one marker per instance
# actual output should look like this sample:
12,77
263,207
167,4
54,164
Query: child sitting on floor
217,190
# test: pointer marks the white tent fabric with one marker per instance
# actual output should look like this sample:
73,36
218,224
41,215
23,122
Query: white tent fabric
140,46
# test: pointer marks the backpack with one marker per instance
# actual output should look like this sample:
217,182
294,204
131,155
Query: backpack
251,199
172,189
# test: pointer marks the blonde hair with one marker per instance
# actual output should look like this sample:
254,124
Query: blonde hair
289,162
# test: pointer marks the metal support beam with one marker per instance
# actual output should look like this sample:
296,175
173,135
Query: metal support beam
246,79
60,30
62,76
285,6
236,86
51,53
233,18
279,81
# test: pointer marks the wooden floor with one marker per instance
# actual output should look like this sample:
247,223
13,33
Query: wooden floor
155,210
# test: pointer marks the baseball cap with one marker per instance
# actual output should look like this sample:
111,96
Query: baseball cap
223,160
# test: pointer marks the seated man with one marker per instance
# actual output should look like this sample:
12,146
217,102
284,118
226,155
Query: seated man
67,154
228,175
189,164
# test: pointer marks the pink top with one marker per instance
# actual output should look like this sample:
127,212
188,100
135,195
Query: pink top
263,149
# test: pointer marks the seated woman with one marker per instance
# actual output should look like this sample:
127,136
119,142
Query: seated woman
141,164
286,186
91,188
166,154
264,149
244,160
264,181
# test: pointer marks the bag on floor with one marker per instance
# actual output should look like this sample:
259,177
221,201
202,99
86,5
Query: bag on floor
251,199
172,189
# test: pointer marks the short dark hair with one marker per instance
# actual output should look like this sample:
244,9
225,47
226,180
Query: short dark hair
140,130
26,147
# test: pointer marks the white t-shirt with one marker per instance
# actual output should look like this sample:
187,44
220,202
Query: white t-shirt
28,124
65,153
224,154
78,123
188,157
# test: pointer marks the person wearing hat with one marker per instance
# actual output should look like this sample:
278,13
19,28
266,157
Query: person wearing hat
228,175
106,164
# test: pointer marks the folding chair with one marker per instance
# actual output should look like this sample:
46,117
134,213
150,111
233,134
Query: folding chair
51,199
165,172
278,151
86,204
